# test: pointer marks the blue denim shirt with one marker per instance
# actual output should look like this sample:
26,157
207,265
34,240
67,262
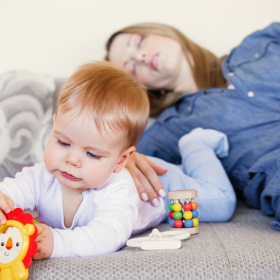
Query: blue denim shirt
249,115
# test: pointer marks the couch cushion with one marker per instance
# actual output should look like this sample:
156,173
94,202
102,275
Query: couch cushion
244,248
26,107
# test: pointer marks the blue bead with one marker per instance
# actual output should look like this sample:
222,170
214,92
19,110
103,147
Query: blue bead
188,223
194,213
171,222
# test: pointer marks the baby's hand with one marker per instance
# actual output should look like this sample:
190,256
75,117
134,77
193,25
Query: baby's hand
44,241
6,206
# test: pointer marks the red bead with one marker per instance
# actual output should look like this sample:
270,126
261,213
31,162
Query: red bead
171,215
178,223
187,207
194,205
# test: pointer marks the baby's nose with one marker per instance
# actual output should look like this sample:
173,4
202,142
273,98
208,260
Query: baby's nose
73,160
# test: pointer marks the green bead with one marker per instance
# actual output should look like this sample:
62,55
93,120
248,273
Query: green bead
177,215
170,206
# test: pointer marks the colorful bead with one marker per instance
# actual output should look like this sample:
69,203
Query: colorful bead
171,215
171,222
188,215
177,215
195,222
194,213
187,207
194,205
177,207
188,223
178,223
170,206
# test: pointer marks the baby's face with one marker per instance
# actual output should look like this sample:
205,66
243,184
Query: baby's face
78,155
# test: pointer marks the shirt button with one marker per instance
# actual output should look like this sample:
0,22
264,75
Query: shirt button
250,94
256,55
230,74
189,108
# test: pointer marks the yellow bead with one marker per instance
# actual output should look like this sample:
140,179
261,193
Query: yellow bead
188,215
177,207
195,222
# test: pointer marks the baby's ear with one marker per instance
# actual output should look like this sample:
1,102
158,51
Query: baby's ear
124,158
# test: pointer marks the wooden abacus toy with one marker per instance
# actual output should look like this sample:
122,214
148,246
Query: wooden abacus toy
187,220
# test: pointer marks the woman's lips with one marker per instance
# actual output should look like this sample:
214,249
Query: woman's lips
153,62
69,176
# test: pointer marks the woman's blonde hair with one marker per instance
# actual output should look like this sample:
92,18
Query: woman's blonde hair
108,95
206,67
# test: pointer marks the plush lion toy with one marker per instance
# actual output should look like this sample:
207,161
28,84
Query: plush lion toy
17,245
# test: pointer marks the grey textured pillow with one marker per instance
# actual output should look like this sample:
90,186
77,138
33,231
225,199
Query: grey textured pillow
25,119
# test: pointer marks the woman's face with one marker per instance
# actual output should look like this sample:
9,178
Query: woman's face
157,61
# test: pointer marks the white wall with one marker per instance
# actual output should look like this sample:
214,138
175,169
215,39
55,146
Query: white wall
56,36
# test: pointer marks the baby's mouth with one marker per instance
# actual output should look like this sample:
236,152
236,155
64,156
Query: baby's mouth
69,176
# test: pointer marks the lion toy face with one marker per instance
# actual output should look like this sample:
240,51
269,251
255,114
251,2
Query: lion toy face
10,244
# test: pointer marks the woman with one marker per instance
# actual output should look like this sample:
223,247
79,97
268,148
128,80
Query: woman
247,111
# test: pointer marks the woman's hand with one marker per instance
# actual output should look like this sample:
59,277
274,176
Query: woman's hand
6,206
145,175
44,241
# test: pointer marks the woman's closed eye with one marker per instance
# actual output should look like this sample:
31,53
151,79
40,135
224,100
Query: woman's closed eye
63,144
140,43
91,155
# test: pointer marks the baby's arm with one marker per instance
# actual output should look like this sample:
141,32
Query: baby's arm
114,218
17,192
25,189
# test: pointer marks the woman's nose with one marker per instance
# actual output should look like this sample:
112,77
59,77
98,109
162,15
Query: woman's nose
141,57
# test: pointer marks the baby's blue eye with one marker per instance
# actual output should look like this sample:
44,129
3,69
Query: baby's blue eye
93,156
63,143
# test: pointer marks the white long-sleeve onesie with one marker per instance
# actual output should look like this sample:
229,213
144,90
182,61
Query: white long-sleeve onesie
104,220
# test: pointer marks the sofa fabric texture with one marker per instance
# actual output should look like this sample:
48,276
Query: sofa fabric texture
244,248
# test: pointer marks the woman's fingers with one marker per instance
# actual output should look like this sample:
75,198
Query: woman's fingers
151,171
145,174
159,170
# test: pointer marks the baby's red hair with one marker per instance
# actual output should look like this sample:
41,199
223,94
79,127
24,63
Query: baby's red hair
108,95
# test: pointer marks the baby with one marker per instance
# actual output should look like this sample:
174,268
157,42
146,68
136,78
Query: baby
86,200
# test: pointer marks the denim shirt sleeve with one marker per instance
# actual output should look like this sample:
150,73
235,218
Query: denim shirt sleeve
254,68
161,139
